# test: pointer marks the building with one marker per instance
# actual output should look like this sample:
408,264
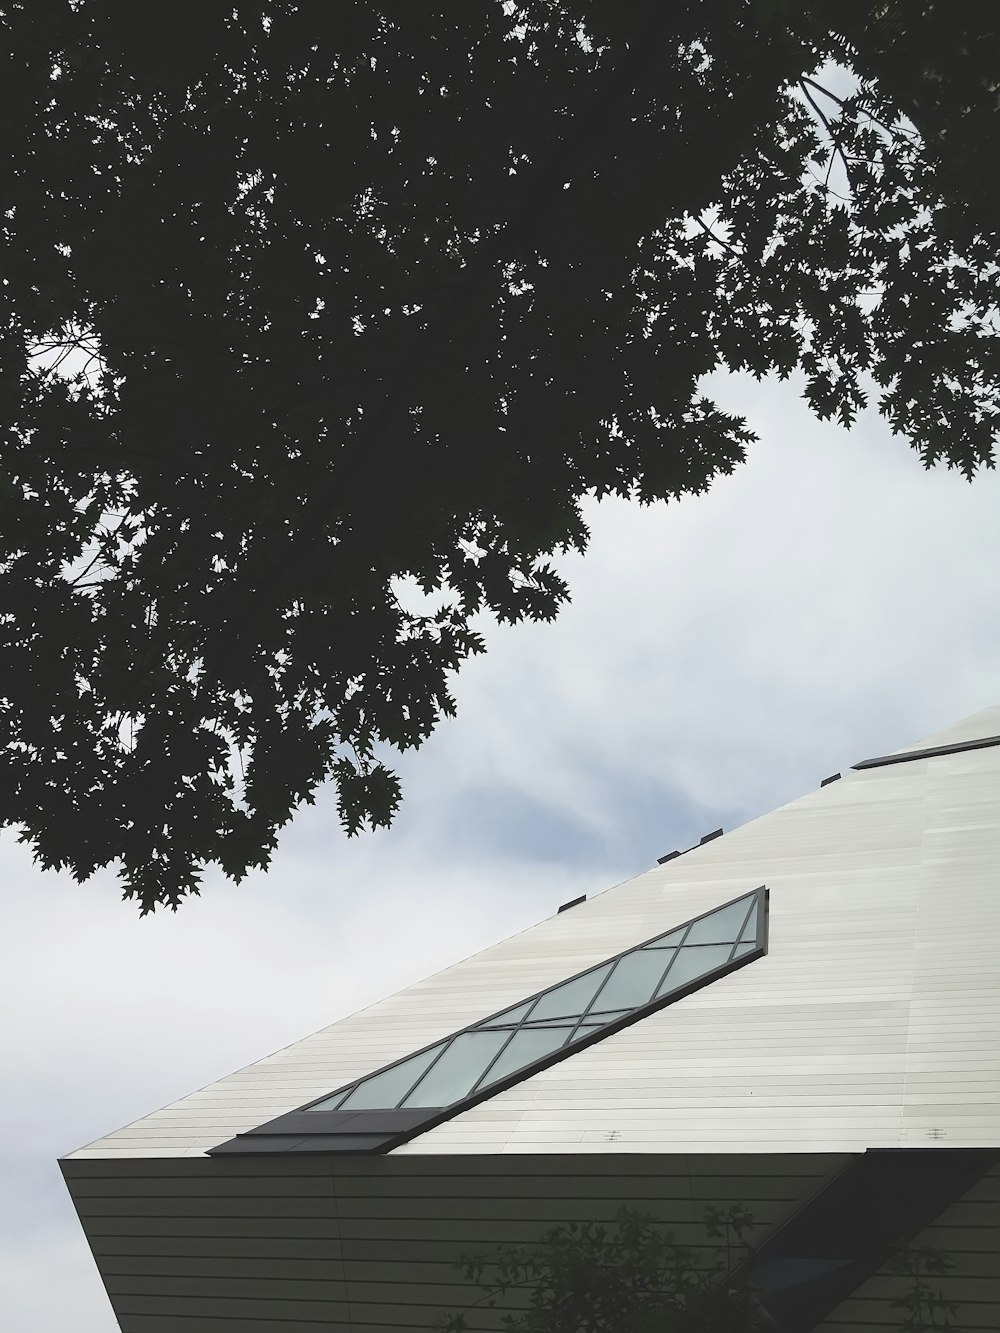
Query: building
802,1016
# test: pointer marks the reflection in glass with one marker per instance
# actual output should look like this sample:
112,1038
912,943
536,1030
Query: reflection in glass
529,1044
721,927
458,1070
634,980
386,1089
691,963
572,997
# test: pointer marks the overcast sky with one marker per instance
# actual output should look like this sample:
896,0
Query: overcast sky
830,601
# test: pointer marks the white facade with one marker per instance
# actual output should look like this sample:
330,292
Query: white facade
872,1022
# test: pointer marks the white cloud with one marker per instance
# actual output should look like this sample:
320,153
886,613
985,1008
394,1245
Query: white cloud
829,601
48,1280
830,595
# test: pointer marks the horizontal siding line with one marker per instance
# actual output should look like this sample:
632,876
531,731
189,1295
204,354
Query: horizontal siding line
971,1264
168,1324
164,1286
983,1238
348,1270
660,1165
322,1210
392,1224
512,1186
101,1206
264,1325
465,1233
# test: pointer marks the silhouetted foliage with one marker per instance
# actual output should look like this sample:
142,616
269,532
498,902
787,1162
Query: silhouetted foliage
635,1277
307,303
631,1277
923,1306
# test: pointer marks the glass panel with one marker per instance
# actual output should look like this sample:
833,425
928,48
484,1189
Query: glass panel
602,1020
572,997
667,941
330,1103
750,929
529,1044
549,1019
691,963
720,927
508,1016
459,1068
634,979
383,1091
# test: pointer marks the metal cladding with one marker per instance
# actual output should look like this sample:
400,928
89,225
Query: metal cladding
841,1080
874,1020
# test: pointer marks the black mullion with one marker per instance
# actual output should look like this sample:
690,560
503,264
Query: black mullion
635,1007
673,957
663,974
739,933
447,1046
542,1026
754,901
479,1027
593,999
762,911
553,1022
522,1026
759,896
500,1052
286,1132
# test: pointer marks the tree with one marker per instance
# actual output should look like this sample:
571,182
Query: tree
304,304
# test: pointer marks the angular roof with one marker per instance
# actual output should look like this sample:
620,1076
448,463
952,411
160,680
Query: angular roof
873,1020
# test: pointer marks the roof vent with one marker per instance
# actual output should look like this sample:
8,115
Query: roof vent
575,902
709,837
834,777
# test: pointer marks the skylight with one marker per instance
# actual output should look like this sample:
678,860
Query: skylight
386,1108
561,1017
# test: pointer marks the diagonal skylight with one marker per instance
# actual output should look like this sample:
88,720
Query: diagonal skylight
603,999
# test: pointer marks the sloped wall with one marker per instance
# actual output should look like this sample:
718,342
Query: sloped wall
284,1245
969,1233
874,1021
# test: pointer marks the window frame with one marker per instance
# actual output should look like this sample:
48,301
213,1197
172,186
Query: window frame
380,1130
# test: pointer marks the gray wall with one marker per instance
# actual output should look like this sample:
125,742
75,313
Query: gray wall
282,1244
969,1232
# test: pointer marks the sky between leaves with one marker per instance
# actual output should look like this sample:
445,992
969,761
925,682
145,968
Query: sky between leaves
829,601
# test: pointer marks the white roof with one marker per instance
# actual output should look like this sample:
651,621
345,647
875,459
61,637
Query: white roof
874,1020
